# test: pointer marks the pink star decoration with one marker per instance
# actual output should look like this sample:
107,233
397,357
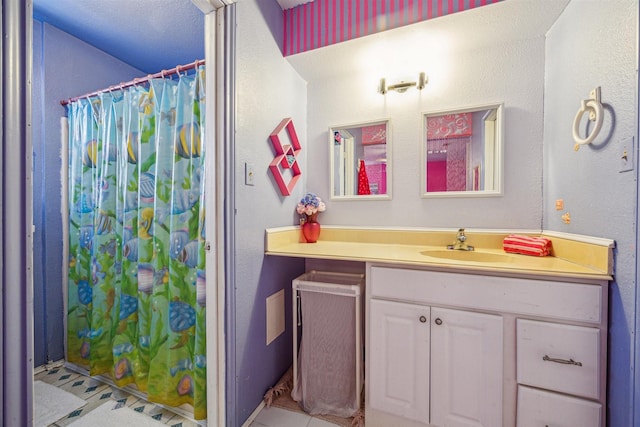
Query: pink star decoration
286,156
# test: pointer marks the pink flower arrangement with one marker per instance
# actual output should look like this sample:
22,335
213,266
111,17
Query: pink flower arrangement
310,205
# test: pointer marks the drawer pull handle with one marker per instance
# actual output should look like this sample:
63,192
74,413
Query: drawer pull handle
423,319
438,321
563,361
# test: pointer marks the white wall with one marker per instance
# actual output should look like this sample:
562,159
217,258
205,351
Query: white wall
268,90
594,43
461,74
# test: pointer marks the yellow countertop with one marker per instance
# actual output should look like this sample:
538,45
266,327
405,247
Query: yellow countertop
577,257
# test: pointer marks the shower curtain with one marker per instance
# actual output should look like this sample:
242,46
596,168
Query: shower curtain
136,278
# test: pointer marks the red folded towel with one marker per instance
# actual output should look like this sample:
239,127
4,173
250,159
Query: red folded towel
527,245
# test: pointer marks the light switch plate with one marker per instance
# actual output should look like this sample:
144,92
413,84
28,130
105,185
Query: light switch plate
275,315
626,154
249,174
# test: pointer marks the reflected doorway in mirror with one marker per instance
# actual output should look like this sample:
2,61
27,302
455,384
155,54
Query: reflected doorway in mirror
360,161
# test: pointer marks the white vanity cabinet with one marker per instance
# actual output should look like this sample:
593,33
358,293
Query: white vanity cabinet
458,350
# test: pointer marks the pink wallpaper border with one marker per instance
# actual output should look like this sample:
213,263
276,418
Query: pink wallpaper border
326,22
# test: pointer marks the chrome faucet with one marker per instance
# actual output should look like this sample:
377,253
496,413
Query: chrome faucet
461,242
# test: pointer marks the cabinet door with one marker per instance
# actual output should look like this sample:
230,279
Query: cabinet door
399,359
466,369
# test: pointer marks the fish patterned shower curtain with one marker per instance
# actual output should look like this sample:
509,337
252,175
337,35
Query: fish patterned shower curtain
136,287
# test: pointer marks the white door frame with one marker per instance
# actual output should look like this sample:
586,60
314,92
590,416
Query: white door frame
16,255
215,54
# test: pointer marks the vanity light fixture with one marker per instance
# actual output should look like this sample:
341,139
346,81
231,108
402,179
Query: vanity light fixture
403,86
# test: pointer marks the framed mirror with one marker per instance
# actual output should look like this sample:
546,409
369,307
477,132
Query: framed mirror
360,158
462,152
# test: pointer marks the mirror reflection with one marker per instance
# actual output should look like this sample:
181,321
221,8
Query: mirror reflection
360,161
463,152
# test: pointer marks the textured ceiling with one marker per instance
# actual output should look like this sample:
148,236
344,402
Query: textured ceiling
150,35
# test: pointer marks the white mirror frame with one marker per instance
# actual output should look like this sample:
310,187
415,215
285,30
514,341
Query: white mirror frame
330,142
498,154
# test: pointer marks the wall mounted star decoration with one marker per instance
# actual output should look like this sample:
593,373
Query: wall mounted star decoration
286,159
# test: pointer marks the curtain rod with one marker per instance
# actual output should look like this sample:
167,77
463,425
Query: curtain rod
138,80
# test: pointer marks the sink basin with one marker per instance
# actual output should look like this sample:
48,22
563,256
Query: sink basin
473,256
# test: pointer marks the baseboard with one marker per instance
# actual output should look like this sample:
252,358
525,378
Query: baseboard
254,414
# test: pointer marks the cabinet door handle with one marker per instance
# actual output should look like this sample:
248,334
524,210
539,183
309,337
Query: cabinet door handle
423,319
563,361
438,321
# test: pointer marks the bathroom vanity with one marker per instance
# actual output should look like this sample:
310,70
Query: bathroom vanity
478,346
479,338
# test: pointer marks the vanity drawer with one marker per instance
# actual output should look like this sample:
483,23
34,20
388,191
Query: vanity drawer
559,357
539,408
577,302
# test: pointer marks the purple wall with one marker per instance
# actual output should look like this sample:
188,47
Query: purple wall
267,90
325,22
603,201
63,66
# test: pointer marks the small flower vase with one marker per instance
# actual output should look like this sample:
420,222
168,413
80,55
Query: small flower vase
311,229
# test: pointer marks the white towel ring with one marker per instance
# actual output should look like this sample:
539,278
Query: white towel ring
594,107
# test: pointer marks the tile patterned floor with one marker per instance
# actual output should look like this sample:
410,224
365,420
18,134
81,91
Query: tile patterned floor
278,417
96,392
